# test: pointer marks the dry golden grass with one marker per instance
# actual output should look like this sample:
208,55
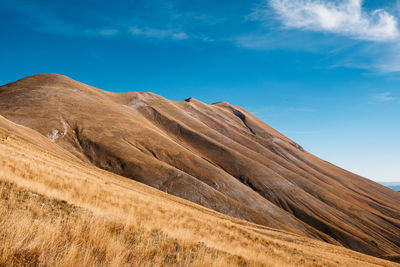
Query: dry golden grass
59,212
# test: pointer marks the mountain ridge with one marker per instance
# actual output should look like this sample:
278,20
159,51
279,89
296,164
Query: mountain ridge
219,156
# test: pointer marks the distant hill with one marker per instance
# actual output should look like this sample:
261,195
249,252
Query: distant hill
219,156
392,185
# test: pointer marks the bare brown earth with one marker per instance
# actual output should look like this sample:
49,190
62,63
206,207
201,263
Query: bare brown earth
219,156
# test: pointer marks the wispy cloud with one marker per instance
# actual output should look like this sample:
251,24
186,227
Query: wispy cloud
158,33
345,17
45,17
387,58
352,35
108,32
384,97
278,39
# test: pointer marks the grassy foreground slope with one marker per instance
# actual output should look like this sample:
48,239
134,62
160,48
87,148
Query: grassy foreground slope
57,211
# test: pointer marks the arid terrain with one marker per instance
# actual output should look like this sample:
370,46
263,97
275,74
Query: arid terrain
76,162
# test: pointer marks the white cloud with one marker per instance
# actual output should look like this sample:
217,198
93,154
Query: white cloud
158,33
344,17
384,97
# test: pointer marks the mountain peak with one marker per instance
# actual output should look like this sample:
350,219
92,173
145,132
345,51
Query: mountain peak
44,79
47,77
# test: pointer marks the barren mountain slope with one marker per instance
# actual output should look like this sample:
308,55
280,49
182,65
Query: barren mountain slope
60,211
219,156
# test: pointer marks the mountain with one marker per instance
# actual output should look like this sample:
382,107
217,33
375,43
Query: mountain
219,156
392,185
57,210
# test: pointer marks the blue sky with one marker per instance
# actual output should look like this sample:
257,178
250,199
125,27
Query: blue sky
325,73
